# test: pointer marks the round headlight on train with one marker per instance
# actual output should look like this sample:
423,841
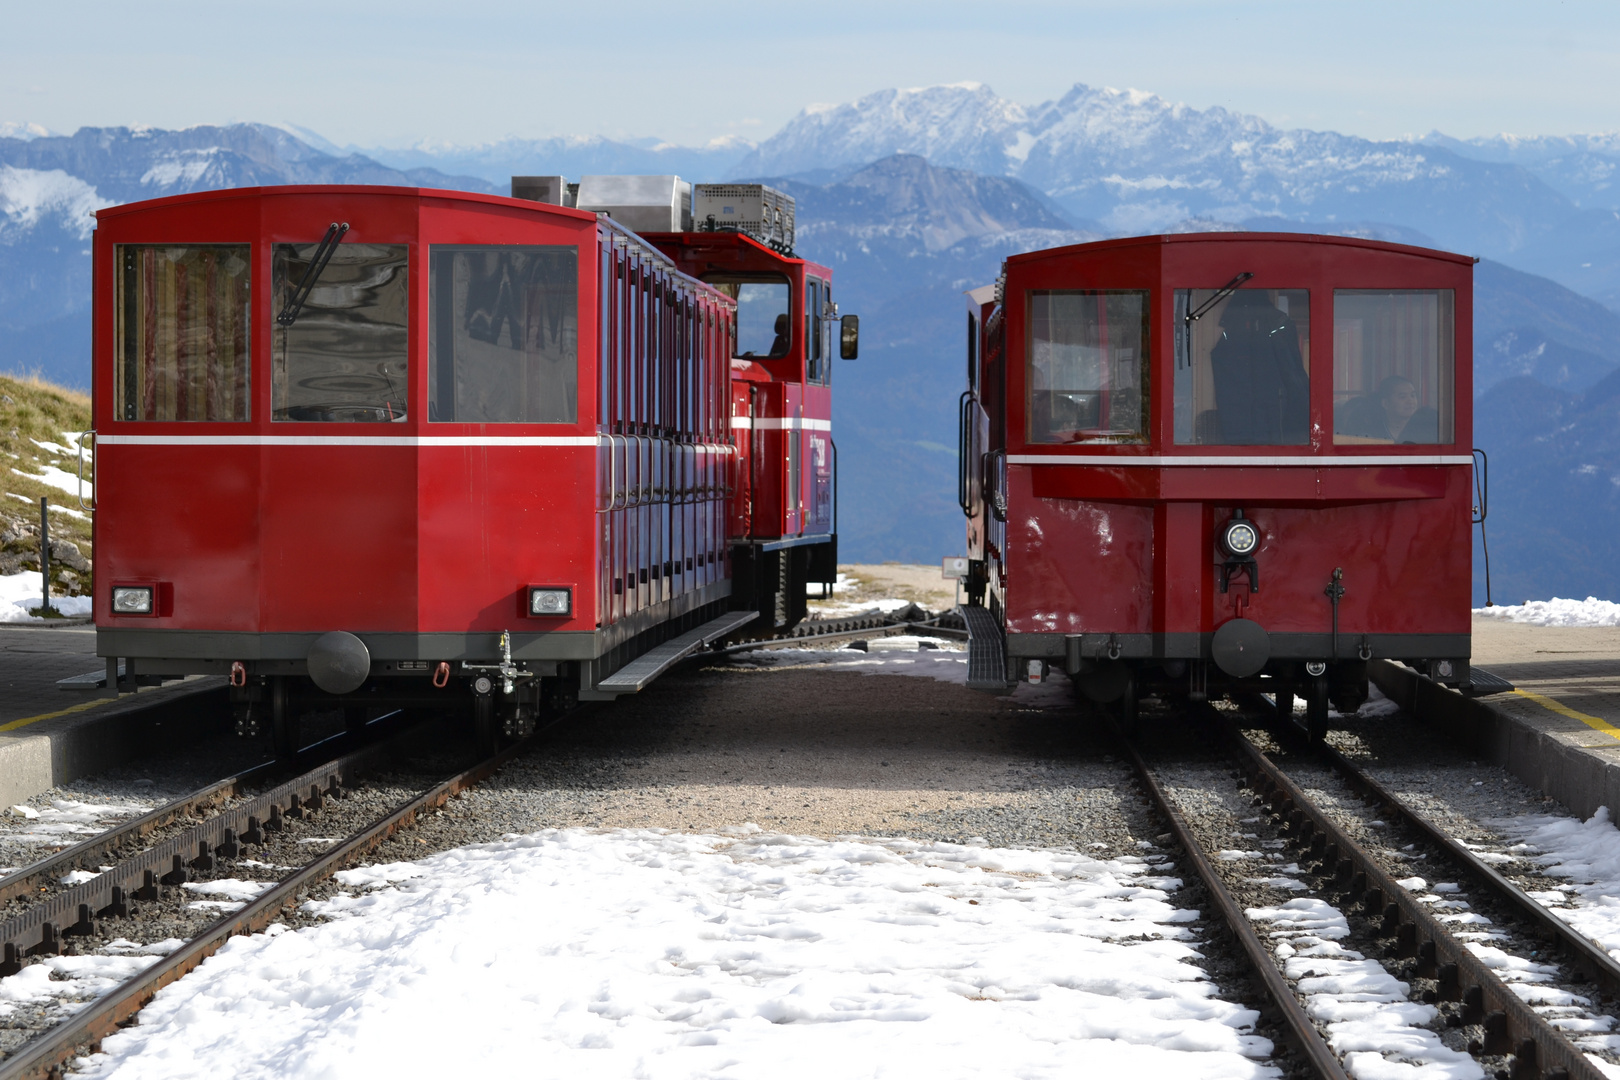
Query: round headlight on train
1240,538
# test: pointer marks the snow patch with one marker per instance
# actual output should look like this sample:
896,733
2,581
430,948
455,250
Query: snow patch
20,593
647,953
1557,612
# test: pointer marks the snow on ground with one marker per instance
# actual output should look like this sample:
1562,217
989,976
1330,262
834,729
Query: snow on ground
66,821
19,594
1558,612
1371,1023
646,953
56,508
1587,854
56,478
906,654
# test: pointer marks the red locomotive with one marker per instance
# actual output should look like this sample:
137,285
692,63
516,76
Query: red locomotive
1208,462
364,447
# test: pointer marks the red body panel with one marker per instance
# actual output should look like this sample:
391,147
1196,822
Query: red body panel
271,526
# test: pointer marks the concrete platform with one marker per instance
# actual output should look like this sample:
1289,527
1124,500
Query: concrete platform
1557,730
49,736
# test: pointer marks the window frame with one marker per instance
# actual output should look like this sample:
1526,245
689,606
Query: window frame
1144,433
121,368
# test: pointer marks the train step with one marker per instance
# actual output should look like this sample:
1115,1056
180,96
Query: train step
1486,683
987,651
651,664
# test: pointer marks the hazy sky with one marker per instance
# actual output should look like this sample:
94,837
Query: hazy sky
471,70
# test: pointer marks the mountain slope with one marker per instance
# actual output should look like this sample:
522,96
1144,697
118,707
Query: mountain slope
1138,163
50,185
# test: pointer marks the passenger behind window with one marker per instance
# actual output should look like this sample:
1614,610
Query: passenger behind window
1393,414
779,347
1262,393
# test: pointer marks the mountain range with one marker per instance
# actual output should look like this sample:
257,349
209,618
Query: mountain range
914,195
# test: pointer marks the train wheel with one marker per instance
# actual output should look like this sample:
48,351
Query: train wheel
355,718
285,729
1285,706
1316,709
486,732
1129,713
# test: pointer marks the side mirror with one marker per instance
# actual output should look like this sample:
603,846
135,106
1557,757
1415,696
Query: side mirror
849,337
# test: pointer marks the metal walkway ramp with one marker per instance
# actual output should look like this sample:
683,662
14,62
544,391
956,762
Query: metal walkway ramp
987,653
651,664
1486,682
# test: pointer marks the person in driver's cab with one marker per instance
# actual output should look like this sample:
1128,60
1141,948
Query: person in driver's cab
1394,413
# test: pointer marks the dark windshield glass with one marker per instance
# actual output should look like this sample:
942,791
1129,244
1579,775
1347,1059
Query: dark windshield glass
1243,368
503,335
344,357
764,327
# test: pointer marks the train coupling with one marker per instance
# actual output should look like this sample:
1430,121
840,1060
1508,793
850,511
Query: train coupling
508,672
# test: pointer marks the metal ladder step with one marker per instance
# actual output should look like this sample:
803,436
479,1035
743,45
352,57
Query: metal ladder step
652,663
987,651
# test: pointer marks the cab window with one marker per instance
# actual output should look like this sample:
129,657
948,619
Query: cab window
1088,366
1393,366
182,329
1243,363
764,321
503,334
341,354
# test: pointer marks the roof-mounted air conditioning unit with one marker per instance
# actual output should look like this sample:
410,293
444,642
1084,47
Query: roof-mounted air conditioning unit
759,211
640,203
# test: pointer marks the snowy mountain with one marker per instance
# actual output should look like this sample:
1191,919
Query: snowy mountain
498,162
50,184
1138,163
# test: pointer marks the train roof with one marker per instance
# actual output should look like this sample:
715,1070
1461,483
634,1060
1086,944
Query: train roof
1124,242
452,194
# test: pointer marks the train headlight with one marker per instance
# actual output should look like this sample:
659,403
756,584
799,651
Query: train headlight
1240,538
132,600
550,602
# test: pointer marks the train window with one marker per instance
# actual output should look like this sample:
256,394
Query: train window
1088,359
972,352
341,355
503,334
182,330
1243,363
764,325
812,330
1392,366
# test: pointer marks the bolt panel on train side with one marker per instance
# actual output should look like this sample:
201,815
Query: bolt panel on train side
1203,463
363,447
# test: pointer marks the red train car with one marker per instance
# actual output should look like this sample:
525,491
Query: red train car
1203,462
363,447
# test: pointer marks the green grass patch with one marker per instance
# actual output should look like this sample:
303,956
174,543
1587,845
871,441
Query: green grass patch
38,424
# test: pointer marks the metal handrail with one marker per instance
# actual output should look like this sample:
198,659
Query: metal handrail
79,441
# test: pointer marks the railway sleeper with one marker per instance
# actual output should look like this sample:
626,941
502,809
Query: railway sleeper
1461,976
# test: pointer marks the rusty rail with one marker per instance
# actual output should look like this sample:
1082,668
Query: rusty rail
1308,1040
27,880
44,1056
1511,1027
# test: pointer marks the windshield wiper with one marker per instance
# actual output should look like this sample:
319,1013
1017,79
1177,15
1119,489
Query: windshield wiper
323,255
1220,294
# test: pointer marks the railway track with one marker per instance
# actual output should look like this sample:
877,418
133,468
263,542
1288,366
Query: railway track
826,631
1574,982
1407,932
159,884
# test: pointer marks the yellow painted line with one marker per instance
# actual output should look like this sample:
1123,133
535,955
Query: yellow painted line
1557,707
81,707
